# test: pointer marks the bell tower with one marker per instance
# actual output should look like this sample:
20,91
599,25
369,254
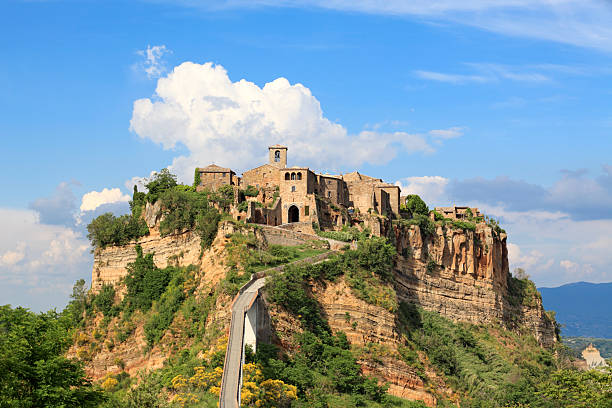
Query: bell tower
278,156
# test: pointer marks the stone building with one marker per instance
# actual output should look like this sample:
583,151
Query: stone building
298,194
213,177
458,213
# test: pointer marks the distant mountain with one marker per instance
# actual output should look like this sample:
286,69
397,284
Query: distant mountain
585,309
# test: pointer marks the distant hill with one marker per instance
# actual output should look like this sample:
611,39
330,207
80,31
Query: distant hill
585,309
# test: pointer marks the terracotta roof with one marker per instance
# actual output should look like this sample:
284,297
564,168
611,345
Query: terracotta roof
213,168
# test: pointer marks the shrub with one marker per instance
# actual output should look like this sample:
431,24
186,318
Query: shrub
207,224
250,191
464,225
426,225
243,206
104,301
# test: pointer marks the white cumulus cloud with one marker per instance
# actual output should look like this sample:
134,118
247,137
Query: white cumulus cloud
35,257
95,199
232,123
568,265
527,261
11,257
432,189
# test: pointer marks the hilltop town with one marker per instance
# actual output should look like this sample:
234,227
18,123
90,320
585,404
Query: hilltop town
277,194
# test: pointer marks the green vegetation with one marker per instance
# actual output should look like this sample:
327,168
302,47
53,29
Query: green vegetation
145,282
159,183
426,226
197,179
182,208
246,257
414,206
347,234
367,270
490,367
522,291
574,388
250,191
324,370
179,288
110,230
33,369
104,301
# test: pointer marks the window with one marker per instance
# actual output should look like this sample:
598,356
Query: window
292,176
306,210
277,156
286,176
329,194
299,176
293,189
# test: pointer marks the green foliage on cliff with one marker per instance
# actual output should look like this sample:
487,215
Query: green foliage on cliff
580,389
181,209
179,288
33,369
366,269
104,301
490,366
426,226
197,179
110,230
159,183
522,291
347,234
414,205
145,282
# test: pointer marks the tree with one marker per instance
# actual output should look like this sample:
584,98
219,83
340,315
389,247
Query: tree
75,308
33,370
158,183
416,205
575,388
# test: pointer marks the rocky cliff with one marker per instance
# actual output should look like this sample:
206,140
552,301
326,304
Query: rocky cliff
463,275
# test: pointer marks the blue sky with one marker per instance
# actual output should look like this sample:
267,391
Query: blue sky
504,105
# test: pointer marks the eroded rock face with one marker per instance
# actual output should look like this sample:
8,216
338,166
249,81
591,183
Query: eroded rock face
366,325
463,275
110,264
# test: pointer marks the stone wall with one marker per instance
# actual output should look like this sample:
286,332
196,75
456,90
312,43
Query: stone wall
262,176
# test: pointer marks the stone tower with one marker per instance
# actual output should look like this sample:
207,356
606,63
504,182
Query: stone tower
278,156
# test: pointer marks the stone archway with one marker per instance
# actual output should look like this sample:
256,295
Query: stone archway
293,214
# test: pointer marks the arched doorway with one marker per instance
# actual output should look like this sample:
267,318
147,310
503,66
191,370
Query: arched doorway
294,214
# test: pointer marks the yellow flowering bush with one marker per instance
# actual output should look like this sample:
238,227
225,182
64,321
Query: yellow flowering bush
109,383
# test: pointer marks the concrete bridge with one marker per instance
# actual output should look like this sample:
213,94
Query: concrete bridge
249,321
